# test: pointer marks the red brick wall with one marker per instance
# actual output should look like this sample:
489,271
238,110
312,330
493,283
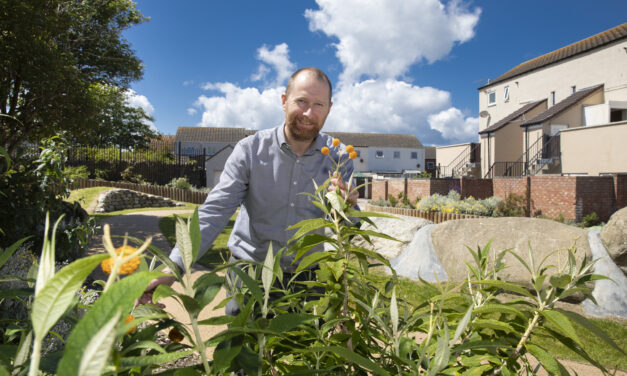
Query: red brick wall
477,188
379,188
502,186
594,195
554,195
443,186
396,186
620,186
418,188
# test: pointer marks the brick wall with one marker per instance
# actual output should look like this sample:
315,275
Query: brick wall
477,188
396,186
593,195
418,188
503,186
554,196
379,189
620,186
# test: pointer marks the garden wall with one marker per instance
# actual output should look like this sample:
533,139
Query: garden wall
182,195
570,197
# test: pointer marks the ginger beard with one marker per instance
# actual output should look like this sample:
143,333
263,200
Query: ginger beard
302,128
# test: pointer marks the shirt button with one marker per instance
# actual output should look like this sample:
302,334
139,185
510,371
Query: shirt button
291,204
295,182
298,161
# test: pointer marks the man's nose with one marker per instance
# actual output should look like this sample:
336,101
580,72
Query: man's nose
308,111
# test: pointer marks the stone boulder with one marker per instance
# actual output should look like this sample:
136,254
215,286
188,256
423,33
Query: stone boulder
402,228
614,238
542,236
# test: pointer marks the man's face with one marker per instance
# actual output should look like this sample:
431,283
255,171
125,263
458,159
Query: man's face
306,107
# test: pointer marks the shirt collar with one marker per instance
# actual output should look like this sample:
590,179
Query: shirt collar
316,146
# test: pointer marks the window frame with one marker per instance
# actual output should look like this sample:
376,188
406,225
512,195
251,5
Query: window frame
491,98
377,152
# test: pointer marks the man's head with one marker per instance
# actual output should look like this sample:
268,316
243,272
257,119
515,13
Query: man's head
306,102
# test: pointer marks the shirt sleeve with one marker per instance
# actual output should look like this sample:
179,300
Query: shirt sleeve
222,201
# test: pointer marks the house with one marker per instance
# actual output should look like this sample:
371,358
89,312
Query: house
458,160
377,153
430,160
564,112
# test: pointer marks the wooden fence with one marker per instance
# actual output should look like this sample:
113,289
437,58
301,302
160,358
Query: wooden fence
435,217
176,194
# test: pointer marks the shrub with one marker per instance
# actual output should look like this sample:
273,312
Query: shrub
452,203
514,205
590,220
180,183
130,176
76,172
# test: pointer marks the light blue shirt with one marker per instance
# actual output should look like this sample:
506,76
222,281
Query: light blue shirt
265,177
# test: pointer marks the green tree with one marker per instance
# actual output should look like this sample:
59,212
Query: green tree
55,58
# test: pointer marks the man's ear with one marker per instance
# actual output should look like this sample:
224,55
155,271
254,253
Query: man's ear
283,101
330,105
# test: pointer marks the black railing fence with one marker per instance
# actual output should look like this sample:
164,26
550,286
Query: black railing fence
156,165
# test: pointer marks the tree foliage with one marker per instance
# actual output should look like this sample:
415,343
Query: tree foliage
65,66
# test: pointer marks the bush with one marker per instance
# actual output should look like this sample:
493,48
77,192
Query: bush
130,176
76,172
590,220
452,203
180,183
514,205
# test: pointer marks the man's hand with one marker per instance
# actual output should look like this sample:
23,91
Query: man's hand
338,182
146,297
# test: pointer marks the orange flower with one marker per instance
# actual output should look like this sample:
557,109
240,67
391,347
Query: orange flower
352,155
128,267
175,335
350,149
336,142
128,319
324,150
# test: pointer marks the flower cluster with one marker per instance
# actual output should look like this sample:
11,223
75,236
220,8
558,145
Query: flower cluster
452,203
128,267
350,149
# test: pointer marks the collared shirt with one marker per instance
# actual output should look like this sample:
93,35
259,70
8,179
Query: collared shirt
266,178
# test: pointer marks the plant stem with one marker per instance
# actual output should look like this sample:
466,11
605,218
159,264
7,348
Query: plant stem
199,342
36,356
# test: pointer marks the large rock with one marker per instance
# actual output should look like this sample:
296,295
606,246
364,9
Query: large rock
542,236
402,228
614,238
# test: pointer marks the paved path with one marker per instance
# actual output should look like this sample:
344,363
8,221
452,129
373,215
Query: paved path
143,225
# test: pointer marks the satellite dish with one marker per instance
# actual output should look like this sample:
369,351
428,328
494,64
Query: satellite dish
484,114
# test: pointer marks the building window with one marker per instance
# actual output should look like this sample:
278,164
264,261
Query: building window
506,94
430,165
358,153
414,155
574,88
189,150
397,155
378,154
552,98
491,98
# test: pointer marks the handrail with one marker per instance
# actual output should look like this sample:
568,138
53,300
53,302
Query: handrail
468,158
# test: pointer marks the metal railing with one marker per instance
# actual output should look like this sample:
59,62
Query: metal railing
460,162
545,151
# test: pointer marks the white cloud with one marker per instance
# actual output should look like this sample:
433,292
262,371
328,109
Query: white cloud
188,82
279,60
382,39
192,111
241,107
453,126
141,101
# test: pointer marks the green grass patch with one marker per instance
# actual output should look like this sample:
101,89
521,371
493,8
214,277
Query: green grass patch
87,197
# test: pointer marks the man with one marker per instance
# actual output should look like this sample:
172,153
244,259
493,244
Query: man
265,174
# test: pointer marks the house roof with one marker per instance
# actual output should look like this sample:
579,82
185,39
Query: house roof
561,106
212,134
233,135
377,139
585,45
507,119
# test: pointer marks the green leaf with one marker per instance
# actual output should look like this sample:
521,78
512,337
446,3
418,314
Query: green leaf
252,285
16,293
120,297
163,291
493,324
308,225
550,364
46,262
148,360
365,214
8,252
194,233
96,354
313,258
337,203
501,308
267,274
184,244
442,354
562,324
58,293
337,268
463,323
590,326
206,288
560,281
219,320
505,286
353,357
289,321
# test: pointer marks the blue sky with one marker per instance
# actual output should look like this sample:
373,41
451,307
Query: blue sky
397,66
